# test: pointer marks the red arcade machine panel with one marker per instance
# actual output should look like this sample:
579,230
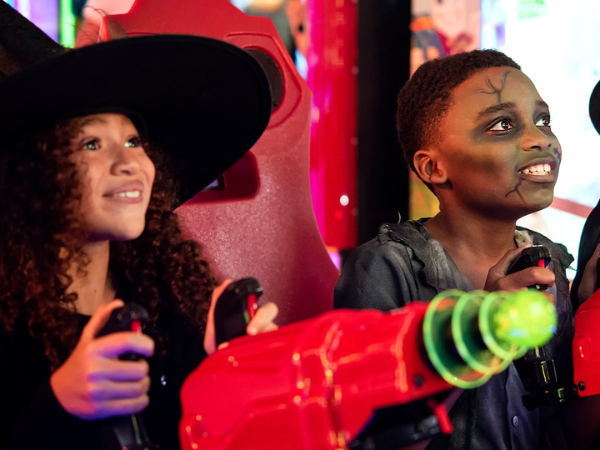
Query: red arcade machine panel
586,347
258,219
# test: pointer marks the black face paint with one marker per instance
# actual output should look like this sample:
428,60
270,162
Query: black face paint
494,89
516,189
516,131
558,155
480,134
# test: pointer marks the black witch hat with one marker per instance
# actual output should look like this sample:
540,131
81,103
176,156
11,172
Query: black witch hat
594,107
204,101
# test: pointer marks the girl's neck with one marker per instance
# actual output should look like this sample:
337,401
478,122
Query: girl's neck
93,283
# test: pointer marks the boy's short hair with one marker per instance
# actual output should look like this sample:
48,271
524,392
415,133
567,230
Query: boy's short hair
426,97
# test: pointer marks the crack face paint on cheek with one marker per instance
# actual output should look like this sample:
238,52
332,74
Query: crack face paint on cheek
516,188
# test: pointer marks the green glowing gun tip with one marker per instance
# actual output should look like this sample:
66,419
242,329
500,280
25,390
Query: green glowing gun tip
526,318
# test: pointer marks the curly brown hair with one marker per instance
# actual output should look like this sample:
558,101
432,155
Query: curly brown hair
427,96
40,242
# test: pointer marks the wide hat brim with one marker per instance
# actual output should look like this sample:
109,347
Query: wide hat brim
594,107
204,101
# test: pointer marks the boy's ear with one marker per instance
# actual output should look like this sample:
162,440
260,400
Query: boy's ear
429,168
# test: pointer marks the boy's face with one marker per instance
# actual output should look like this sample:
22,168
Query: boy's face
497,146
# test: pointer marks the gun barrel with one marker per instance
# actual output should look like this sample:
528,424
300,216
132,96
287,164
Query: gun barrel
313,385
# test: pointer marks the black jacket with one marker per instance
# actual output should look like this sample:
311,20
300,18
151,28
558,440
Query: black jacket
406,264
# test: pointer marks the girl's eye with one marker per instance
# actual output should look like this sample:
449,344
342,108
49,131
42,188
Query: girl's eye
502,125
543,122
92,144
134,142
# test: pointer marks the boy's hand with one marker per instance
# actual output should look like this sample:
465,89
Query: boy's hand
262,321
498,280
93,383
588,279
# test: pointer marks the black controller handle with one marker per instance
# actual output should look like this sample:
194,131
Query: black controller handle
536,370
235,308
597,286
536,256
126,432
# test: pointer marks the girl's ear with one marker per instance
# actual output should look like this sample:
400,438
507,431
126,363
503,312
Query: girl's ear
429,168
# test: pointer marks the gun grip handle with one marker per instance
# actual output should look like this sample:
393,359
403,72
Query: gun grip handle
235,308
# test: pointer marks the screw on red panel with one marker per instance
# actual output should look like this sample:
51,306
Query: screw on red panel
419,380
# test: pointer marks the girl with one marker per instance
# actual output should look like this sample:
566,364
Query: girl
87,224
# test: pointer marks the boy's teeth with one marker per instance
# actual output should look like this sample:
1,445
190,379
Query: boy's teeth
539,169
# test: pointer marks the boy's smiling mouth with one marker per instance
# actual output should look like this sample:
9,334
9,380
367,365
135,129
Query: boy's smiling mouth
541,170
537,170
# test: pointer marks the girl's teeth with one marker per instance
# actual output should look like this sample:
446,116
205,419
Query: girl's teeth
131,194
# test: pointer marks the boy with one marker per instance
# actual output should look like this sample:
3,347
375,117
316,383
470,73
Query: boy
475,130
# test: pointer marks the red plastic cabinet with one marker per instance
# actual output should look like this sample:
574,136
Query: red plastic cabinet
262,224
586,347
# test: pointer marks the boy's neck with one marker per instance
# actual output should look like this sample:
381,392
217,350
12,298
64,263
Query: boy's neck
475,245
93,284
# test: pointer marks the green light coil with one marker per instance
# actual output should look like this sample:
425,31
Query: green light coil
470,336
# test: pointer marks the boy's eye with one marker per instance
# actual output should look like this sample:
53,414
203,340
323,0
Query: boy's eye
502,125
92,144
543,122
134,142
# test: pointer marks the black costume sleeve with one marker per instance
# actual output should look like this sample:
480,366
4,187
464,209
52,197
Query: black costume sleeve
43,425
30,415
376,276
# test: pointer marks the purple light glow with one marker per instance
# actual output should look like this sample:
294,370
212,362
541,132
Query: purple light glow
43,13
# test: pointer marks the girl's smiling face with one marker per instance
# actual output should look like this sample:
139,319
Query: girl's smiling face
497,146
116,176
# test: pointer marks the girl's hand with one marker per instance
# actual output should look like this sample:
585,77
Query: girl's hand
498,280
262,321
93,383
